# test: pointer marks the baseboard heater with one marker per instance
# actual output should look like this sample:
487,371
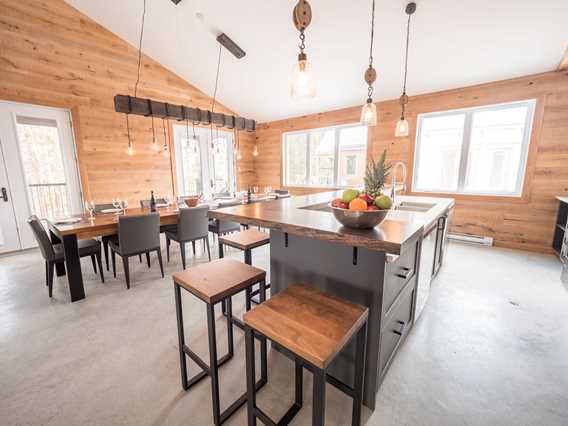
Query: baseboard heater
471,239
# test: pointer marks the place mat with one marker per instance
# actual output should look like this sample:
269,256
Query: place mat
67,221
110,210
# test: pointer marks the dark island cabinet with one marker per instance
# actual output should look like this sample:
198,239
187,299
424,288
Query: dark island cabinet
560,240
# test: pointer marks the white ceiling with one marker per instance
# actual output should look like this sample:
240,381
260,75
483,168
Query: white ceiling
453,44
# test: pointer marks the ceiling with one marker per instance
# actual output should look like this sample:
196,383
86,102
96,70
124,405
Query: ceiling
453,44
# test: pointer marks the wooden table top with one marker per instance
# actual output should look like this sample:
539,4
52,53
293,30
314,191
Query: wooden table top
217,280
107,224
290,215
308,322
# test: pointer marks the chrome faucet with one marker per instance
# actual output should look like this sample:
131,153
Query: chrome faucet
393,181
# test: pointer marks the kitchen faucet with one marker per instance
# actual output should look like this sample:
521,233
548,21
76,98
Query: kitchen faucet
393,173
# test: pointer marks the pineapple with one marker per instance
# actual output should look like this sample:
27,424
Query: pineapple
375,176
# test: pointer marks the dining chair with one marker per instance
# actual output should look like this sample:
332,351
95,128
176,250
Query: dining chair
53,253
222,227
193,225
137,235
98,208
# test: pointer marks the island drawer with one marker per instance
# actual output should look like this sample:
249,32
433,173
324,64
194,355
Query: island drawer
396,326
398,272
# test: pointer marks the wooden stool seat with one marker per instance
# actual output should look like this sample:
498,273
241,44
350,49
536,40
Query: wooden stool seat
214,281
245,240
307,322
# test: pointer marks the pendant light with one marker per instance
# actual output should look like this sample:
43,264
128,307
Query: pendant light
369,110
255,150
165,150
130,149
402,125
303,83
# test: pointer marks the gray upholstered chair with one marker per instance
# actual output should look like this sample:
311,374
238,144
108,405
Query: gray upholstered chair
222,227
193,225
136,235
98,209
53,253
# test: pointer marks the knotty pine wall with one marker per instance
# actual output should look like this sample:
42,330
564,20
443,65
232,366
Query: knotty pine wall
524,223
52,55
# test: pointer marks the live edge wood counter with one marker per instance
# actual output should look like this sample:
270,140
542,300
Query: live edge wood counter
306,216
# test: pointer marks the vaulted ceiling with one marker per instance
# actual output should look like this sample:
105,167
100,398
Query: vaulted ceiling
453,44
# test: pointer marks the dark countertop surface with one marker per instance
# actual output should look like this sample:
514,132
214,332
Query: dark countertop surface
290,215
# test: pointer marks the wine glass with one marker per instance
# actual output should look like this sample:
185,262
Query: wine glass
90,206
116,204
124,206
167,200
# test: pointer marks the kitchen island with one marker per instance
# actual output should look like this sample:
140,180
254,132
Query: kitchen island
378,268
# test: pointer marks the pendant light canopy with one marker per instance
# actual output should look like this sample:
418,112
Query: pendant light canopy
369,110
303,82
402,125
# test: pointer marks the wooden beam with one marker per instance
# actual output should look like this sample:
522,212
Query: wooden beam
563,66
148,107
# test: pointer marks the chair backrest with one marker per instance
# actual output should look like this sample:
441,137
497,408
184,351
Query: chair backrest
145,204
99,207
42,238
137,234
193,223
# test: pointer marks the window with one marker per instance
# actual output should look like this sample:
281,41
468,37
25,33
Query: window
479,151
202,167
326,157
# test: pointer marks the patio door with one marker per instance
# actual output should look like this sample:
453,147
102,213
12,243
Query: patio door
204,165
40,170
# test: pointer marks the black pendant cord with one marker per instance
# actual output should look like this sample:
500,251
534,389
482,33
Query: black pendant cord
215,91
371,89
140,49
153,132
128,131
165,134
406,54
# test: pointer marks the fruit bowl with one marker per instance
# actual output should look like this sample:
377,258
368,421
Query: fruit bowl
359,219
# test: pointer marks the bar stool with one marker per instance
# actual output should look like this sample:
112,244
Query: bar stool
313,327
213,282
246,241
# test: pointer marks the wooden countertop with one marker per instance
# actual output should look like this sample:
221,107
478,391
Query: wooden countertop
290,215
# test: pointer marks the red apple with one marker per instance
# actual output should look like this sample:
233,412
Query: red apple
366,198
344,205
372,207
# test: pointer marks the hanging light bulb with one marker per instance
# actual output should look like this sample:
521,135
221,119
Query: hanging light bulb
255,151
369,110
239,156
155,145
303,82
165,150
130,149
402,127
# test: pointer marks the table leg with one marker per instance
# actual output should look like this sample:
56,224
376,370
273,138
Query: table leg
73,262
60,266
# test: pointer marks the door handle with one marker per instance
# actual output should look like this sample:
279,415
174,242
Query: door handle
402,328
4,194
405,273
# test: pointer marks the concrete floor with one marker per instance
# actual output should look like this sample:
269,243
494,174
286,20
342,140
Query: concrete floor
490,348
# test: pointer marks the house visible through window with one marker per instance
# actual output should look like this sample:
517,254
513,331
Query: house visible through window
474,151
331,156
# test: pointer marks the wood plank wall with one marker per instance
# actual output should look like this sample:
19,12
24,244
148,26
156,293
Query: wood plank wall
524,223
52,55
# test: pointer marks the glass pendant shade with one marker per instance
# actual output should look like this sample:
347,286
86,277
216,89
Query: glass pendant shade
401,128
303,82
369,114
255,151
130,150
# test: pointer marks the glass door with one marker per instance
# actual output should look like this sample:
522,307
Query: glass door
40,162
204,164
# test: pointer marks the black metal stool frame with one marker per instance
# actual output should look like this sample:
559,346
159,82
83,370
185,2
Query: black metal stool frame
212,370
320,376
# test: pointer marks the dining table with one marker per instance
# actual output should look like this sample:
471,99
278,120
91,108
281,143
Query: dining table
82,227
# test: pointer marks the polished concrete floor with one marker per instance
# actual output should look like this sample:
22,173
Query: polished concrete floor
491,348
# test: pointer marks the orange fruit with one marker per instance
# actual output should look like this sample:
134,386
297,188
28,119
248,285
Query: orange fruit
358,204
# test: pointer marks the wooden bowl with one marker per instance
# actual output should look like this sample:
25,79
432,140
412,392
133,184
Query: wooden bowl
192,201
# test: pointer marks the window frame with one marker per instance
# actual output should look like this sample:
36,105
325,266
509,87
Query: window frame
465,148
337,129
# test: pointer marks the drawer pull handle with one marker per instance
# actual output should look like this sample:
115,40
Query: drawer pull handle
405,273
402,328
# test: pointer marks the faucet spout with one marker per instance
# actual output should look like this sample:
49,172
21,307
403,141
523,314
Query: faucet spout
395,167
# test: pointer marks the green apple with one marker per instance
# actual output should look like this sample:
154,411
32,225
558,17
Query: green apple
383,202
349,195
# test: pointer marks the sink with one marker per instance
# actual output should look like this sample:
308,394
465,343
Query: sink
321,207
411,206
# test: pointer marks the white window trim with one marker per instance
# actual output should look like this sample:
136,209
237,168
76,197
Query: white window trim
336,154
531,105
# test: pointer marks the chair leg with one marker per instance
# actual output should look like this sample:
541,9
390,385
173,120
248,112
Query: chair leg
105,247
126,270
46,273
208,248
250,374
318,410
148,258
213,364
359,376
113,256
93,260
100,263
159,251
182,252
168,242
50,270
140,258
193,246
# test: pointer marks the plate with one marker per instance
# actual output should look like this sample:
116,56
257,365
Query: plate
67,221
110,210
